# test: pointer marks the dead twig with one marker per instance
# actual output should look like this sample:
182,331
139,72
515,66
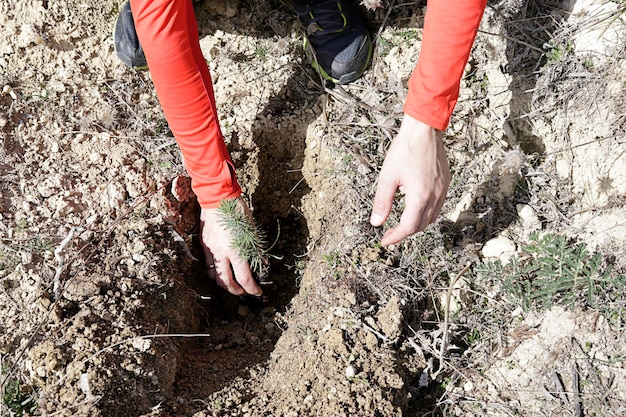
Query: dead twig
446,320
576,392
57,255
376,333
179,239
559,386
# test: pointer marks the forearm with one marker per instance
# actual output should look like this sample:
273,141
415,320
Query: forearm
450,28
167,31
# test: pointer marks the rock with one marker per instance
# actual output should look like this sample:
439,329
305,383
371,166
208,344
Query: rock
141,344
371,341
529,219
390,318
563,167
80,288
500,247
243,310
333,340
464,204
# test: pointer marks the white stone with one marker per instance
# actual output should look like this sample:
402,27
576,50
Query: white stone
462,206
563,168
141,344
529,219
500,247
84,384
517,312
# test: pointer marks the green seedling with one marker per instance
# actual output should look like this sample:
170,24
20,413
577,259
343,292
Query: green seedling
248,239
18,399
555,270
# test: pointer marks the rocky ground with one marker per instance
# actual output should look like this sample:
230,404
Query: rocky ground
511,304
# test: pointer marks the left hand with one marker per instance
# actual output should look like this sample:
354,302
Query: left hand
223,263
416,163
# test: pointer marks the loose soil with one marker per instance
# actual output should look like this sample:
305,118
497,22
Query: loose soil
105,309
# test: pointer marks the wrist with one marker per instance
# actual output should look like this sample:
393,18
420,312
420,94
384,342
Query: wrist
412,124
417,134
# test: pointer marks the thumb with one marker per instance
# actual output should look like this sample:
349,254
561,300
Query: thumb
385,191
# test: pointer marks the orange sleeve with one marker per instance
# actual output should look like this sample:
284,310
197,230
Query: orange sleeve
168,33
450,28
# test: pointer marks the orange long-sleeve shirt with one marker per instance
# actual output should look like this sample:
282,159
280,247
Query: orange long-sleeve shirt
168,33
450,28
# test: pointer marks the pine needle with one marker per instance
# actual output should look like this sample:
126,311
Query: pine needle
248,240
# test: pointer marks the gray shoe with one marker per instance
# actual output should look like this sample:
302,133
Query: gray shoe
127,46
337,38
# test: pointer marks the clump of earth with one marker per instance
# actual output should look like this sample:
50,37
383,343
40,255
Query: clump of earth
105,308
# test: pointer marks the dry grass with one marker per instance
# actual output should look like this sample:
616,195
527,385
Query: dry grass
420,269
459,345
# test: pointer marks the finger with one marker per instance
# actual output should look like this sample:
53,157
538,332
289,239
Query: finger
385,191
437,210
410,221
224,278
426,219
209,259
441,201
243,275
209,263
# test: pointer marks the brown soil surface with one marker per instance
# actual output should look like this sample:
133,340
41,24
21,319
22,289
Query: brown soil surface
105,309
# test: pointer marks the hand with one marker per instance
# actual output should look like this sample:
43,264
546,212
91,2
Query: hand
220,255
416,163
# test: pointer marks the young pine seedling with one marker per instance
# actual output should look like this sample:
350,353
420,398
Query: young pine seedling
248,239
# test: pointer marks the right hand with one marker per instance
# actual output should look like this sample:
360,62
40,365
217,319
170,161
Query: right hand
415,163
223,264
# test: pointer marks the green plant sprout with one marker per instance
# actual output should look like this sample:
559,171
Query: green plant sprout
248,239
261,52
558,271
558,52
20,400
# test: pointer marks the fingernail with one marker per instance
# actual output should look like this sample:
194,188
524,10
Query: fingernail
376,219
